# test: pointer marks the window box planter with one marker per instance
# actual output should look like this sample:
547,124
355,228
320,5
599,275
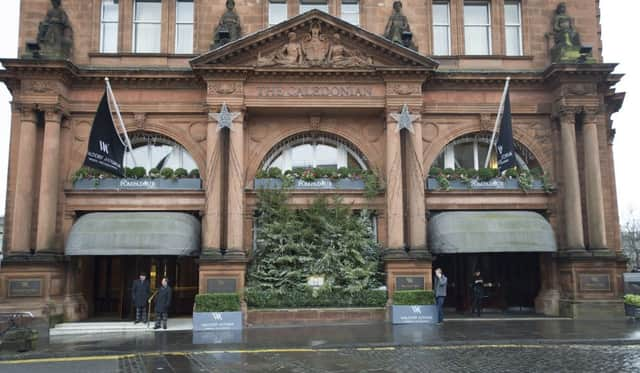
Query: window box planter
138,184
475,184
320,183
415,314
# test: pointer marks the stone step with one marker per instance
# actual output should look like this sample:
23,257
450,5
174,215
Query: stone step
298,316
79,328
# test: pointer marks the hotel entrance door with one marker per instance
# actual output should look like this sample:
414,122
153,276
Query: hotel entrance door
113,276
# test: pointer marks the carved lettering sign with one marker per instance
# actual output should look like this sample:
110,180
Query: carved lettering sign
314,91
410,283
594,281
27,287
221,285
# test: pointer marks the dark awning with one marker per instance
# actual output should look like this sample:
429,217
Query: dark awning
134,233
490,232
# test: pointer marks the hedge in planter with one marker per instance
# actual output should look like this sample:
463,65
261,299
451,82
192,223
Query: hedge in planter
413,297
308,297
217,302
217,311
413,307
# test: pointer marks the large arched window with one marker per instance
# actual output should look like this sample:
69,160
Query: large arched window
470,151
314,150
156,151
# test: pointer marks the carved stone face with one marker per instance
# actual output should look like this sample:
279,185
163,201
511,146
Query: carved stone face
562,8
292,36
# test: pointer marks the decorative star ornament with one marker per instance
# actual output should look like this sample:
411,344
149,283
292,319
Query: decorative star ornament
224,117
405,119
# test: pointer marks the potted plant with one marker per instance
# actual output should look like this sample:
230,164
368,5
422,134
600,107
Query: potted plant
414,307
632,305
217,311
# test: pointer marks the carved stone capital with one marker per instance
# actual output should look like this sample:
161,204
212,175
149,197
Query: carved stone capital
592,114
53,115
565,115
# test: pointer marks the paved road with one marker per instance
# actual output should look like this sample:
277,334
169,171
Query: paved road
461,358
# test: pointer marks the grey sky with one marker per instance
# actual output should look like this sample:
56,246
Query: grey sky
617,18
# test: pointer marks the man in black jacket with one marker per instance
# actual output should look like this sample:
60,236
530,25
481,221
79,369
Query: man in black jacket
163,301
140,292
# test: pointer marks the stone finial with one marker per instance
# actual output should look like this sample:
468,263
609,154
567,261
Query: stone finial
398,30
567,47
228,28
55,35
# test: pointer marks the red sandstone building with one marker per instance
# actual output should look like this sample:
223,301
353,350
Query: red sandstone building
313,83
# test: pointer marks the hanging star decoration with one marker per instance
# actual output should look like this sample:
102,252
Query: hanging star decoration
224,117
405,119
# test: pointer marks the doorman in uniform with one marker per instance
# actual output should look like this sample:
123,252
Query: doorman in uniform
140,292
163,301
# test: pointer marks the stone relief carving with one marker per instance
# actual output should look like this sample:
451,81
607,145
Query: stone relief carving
55,35
198,131
314,50
139,120
403,89
314,122
38,86
224,88
430,131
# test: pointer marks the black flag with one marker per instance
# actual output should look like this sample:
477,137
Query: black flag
105,150
504,147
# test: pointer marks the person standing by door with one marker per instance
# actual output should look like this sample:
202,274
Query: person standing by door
140,292
163,301
440,289
477,293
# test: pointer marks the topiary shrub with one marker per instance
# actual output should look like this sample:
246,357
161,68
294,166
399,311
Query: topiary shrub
413,297
435,171
128,172
138,172
274,173
485,174
217,302
180,173
167,173
194,174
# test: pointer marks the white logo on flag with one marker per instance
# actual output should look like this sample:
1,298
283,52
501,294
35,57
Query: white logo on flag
216,316
416,309
499,149
104,147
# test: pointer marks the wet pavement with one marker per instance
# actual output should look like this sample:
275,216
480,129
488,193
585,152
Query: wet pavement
456,346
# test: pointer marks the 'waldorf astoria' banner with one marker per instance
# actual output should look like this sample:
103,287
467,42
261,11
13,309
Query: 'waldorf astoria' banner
106,149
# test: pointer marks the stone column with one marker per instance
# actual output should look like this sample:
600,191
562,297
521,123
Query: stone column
394,192
593,180
415,179
49,179
572,205
235,190
212,219
24,190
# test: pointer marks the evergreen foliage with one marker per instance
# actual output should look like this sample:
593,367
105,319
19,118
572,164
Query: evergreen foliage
326,239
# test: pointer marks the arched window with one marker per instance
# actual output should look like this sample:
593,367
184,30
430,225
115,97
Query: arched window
156,151
314,150
470,151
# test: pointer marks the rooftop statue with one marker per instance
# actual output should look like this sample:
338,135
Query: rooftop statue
55,36
567,46
397,29
228,28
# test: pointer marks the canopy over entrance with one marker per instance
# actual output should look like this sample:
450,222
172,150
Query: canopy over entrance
134,233
490,232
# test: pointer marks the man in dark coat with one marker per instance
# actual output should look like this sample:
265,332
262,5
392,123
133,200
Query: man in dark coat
440,290
163,301
477,287
140,292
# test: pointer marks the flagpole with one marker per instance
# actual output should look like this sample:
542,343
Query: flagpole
498,118
112,97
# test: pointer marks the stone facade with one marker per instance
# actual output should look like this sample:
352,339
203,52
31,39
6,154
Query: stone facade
561,113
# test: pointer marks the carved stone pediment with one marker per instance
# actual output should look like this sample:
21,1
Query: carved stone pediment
313,40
